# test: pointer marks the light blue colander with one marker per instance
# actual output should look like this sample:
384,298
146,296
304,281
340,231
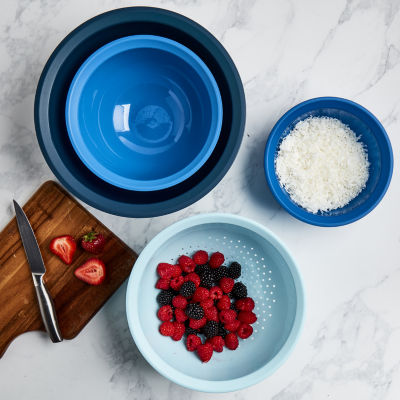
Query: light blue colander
272,279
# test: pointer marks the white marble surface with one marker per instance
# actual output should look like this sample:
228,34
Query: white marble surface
286,52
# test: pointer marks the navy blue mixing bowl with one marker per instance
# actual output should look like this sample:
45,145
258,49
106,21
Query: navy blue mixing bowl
51,97
371,133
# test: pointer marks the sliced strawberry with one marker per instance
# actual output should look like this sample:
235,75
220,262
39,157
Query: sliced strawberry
93,242
64,247
93,271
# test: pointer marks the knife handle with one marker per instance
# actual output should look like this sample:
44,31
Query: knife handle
47,310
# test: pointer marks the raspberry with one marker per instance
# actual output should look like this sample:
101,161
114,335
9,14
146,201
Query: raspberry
226,284
244,330
179,302
187,289
180,315
247,317
219,273
167,328
231,341
211,314
224,303
200,257
193,277
163,283
216,260
179,331
210,329
187,264
165,297
197,323
217,343
205,351
232,326
239,290
245,304
201,269
215,293
200,294
194,311
165,313
177,282
165,270
207,303
192,342
234,270
176,271
227,316
207,280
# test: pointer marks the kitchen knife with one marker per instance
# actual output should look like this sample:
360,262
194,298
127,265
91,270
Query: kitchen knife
38,269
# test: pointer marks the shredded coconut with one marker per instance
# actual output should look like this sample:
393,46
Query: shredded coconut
322,164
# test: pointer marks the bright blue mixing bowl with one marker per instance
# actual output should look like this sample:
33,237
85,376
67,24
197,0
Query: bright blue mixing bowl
272,279
371,133
144,113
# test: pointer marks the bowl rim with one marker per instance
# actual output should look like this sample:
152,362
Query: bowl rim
278,192
164,368
106,52
49,79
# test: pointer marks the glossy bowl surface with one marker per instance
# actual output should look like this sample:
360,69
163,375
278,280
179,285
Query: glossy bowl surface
144,112
371,133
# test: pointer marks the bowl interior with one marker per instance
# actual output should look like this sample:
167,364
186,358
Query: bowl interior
267,271
144,112
370,133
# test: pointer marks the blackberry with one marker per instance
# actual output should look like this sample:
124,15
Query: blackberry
221,330
164,298
194,311
239,290
210,329
233,307
234,270
187,289
200,269
191,331
207,280
220,272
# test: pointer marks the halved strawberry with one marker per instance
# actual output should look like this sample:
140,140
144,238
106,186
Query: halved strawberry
64,247
93,271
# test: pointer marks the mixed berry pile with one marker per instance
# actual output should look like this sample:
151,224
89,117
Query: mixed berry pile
201,302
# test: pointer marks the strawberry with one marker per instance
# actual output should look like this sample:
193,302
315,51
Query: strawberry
177,282
244,331
179,330
247,317
93,271
226,284
232,326
205,351
163,284
216,293
165,313
217,343
245,304
64,247
216,260
224,303
187,264
200,257
180,315
227,316
197,323
206,303
167,328
93,242
200,294
231,341
192,276
192,342
179,302
211,314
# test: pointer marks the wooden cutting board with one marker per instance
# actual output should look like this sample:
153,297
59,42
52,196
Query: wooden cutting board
53,212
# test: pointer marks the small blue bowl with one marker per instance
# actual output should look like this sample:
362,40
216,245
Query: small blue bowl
272,279
371,133
144,113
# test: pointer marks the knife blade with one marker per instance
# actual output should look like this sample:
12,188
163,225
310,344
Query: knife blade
38,269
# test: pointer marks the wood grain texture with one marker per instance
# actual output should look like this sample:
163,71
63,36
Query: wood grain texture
53,212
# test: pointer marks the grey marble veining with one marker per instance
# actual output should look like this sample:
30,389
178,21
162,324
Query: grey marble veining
286,51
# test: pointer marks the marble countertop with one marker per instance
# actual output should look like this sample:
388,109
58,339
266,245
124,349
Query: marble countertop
286,51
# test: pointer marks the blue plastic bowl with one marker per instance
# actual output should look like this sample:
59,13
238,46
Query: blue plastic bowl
371,133
272,279
144,113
